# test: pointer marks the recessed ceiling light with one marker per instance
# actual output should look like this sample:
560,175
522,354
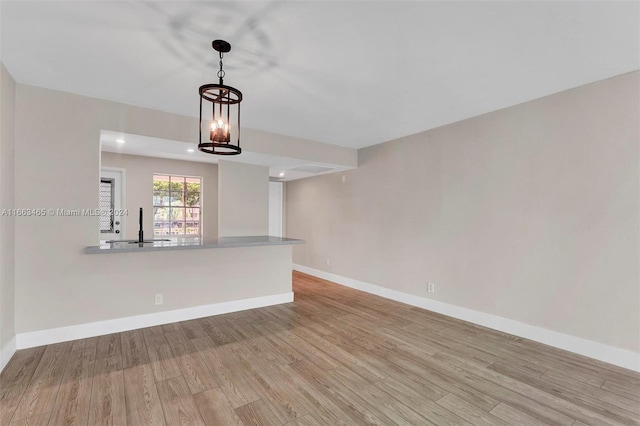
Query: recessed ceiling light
190,150
281,174
120,140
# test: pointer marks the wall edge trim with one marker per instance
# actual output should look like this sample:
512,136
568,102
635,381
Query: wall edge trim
100,328
7,352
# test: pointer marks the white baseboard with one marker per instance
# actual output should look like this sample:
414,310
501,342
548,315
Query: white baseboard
100,328
7,352
609,354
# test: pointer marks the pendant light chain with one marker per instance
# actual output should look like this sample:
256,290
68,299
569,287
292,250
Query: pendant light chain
221,72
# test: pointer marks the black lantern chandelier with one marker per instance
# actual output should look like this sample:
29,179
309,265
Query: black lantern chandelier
221,98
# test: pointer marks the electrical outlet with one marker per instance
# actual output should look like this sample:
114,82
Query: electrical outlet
327,262
344,178
159,299
431,287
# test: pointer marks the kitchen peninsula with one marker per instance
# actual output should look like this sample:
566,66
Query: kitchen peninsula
172,281
223,242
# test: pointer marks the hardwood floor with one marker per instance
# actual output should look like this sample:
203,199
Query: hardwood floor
335,356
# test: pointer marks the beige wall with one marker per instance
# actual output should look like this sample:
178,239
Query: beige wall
529,213
139,189
243,199
57,166
7,201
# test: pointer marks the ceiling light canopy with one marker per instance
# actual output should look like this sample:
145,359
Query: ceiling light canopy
221,106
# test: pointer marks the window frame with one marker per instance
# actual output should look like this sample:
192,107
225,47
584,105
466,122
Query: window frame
119,176
184,191
112,189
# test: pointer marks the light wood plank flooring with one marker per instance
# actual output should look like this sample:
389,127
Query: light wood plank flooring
335,356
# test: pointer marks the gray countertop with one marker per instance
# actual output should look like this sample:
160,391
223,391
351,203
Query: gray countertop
223,242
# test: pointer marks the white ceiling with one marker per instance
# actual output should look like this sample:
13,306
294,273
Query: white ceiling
345,73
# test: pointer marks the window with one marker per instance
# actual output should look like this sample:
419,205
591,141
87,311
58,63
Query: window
176,205
106,204
111,204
